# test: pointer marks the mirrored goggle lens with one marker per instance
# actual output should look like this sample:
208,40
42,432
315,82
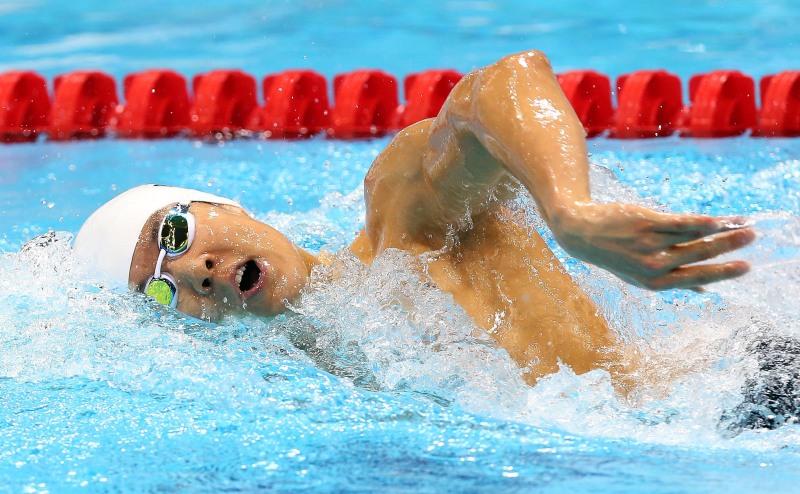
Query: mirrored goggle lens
163,291
174,235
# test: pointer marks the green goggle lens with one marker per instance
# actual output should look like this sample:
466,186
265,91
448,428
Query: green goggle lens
174,235
161,290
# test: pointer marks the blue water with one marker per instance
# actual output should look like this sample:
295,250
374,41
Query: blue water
102,391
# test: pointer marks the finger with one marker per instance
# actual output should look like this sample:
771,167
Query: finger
735,222
660,241
697,289
697,225
694,276
708,248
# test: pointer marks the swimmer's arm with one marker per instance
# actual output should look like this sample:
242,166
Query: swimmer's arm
512,118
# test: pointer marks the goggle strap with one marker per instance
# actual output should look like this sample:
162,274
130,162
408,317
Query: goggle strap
161,254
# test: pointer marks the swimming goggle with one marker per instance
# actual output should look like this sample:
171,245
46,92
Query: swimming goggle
175,236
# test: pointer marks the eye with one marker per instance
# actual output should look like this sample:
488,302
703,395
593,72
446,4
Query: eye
209,264
207,283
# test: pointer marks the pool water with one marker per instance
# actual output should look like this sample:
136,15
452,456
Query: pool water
102,390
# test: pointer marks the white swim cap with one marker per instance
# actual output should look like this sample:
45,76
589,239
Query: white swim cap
109,237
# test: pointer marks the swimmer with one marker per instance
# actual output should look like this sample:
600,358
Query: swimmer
439,189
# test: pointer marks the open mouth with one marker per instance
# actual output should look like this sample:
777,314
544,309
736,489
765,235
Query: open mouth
247,276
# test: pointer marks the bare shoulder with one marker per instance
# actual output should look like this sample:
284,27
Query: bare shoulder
406,153
435,174
397,206
401,157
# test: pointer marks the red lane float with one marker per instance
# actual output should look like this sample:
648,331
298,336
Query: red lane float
589,93
366,104
295,105
83,105
723,104
649,104
24,106
156,105
223,102
425,93
780,104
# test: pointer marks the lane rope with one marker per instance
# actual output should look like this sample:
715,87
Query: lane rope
224,104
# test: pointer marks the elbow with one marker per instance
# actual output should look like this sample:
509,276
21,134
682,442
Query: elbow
484,98
495,90
526,71
532,60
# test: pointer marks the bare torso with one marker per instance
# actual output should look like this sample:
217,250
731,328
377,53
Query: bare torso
501,272
440,187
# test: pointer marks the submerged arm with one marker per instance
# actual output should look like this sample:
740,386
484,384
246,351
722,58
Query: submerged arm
512,119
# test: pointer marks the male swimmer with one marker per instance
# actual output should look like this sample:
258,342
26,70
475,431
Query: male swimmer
439,187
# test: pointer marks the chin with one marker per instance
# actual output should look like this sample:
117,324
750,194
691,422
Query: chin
271,304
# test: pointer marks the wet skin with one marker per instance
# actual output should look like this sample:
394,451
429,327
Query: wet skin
226,238
440,186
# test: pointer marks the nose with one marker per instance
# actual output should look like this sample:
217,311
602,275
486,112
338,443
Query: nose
199,273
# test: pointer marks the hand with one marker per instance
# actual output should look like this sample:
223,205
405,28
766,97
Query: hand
649,249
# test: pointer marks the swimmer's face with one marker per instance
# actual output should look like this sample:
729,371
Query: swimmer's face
234,264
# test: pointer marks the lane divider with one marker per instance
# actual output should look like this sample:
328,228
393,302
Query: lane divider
722,104
295,105
649,105
156,105
83,105
589,92
24,106
223,104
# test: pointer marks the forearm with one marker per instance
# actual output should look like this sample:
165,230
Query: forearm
512,118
